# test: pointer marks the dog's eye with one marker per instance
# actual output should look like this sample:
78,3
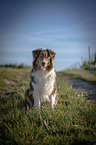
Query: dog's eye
47,56
41,56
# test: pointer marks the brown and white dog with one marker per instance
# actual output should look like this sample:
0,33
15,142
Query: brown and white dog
43,79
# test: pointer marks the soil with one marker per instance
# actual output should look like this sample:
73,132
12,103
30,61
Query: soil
82,87
87,88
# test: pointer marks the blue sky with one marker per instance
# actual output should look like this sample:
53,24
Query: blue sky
66,26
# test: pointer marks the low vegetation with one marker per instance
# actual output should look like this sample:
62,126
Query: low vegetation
72,121
14,65
82,74
89,64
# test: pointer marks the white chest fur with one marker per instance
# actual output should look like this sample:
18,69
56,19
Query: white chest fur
44,84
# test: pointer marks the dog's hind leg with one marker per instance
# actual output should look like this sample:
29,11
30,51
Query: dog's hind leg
54,99
29,96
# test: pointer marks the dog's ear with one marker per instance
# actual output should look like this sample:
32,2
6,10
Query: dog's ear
51,53
36,52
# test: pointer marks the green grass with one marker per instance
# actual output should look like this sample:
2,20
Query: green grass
72,121
82,74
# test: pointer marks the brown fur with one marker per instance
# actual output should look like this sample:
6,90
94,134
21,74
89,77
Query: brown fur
51,65
54,93
55,89
29,97
38,57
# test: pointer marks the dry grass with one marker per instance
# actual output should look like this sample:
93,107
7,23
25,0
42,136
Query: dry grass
83,74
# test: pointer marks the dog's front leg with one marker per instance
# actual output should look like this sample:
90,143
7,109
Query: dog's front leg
53,95
53,103
37,103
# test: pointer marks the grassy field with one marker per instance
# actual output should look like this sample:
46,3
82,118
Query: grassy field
82,74
71,122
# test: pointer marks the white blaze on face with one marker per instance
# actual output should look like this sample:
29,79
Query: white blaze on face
43,62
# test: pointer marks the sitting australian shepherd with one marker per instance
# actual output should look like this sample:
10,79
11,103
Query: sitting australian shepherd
43,79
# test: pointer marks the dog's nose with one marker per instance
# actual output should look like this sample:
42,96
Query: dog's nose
43,63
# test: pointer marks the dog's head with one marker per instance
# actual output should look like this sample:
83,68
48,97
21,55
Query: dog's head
43,59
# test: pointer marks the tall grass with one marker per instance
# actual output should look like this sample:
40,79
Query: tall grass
72,121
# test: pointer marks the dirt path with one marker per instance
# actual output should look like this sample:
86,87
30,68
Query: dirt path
87,88
83,87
